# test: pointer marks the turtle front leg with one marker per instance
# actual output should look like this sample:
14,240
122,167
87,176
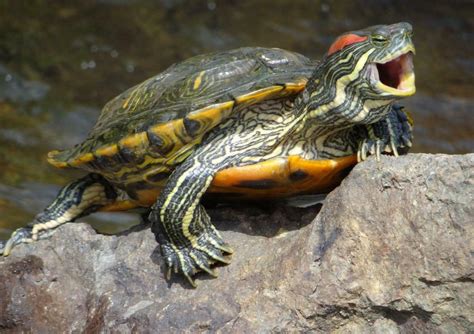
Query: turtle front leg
189,242
77,199
393,134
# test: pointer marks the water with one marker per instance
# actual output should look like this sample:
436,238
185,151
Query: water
61,61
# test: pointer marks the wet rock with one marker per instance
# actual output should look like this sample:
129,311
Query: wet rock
389,252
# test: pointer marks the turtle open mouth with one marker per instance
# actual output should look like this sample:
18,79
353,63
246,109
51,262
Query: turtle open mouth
394,76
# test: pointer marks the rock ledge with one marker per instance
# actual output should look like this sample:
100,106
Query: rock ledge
390,251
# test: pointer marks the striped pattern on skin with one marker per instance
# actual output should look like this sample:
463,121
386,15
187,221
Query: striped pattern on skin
79,198
340,99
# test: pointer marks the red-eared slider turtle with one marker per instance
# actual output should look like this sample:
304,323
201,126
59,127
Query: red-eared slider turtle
251,122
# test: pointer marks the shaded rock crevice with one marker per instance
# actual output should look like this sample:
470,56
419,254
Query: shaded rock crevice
401,317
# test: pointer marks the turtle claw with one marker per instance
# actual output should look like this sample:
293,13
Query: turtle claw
23,235
390,135
220,259
377,150
190,280
370,147
208,270
203,266
226,248
199,257
394,148
20,236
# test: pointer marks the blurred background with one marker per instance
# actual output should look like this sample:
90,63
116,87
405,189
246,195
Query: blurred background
61,61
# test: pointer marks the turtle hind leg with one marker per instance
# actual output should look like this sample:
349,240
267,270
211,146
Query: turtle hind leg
75,200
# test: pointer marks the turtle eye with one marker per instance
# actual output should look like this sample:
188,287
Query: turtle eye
379,40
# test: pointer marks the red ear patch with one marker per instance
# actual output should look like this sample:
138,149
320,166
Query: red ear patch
345,40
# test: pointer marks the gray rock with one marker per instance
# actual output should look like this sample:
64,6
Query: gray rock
389,252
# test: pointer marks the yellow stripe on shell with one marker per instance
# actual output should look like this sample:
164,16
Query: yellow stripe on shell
259,95
52,160
107,151
295,87
135,140
82,159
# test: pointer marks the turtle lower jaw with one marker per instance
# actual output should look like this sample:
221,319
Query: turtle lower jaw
394,76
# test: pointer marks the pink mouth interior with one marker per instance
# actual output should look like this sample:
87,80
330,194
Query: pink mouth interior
390,73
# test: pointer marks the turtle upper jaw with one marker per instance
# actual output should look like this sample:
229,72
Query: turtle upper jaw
394,76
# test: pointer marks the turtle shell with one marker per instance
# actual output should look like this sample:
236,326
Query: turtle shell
159,121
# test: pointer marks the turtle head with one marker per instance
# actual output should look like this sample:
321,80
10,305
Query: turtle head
366,69
384,56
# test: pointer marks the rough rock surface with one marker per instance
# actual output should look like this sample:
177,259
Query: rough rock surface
390,251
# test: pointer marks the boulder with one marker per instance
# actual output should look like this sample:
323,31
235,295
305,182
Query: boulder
390,251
